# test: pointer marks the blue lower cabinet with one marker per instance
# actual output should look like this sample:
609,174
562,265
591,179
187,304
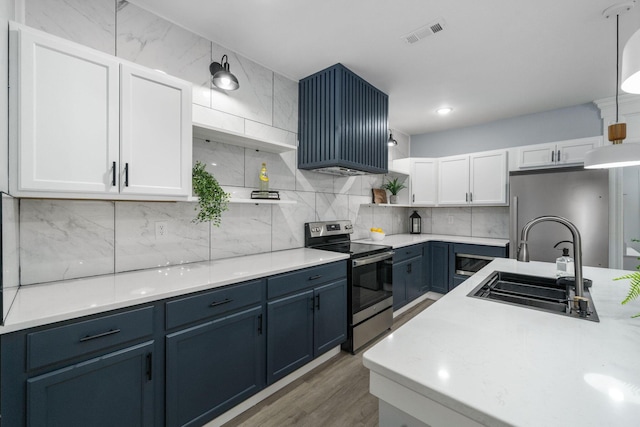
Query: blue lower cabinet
408,281
330,316
111,390
304,325
416,285
213,366
440,256
289,334
400,278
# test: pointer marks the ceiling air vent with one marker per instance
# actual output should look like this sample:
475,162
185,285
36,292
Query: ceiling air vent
424,32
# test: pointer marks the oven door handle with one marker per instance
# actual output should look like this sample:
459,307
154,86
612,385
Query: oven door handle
371,259
482,257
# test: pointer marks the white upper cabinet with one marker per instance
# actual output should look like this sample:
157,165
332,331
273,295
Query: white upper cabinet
488,178
564,153
476,179
67,127
87,121
424,180
453,180
152,126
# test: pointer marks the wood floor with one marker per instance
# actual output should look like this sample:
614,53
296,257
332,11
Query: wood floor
335,394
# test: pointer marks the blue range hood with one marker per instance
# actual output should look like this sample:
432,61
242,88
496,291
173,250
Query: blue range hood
342,126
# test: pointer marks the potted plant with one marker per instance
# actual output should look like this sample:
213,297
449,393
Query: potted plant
212,199
634,288
394,187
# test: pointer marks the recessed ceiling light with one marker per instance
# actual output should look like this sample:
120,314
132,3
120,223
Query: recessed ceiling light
444,110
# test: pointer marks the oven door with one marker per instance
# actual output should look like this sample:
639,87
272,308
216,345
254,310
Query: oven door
468,265
371,281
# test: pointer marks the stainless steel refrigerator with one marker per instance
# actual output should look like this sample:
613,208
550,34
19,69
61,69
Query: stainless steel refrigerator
580,195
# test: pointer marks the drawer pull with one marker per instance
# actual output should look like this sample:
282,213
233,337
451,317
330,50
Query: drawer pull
113,174
316,277
104,334
225,301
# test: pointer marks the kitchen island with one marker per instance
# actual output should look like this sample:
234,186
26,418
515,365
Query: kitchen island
469,362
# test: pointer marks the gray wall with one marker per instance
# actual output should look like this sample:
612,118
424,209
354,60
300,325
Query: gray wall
578,121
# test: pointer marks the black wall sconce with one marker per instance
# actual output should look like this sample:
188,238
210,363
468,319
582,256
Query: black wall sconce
221,76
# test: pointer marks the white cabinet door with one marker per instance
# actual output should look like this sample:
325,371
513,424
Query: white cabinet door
539,155
423,181
570,152
488,183
155,133
453,180
573,152
67,124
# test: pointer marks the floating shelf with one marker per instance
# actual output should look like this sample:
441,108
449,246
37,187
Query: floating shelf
388,205
204,127
264,201
253,201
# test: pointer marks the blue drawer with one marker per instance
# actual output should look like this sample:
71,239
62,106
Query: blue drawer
213,303
407,252
294,281
82,338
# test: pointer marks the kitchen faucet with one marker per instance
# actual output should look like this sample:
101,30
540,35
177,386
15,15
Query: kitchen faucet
580,302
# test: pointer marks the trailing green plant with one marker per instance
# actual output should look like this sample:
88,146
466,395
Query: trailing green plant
394,186
213,200
634,288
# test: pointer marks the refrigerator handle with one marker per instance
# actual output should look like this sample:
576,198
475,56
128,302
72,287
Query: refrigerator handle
513,235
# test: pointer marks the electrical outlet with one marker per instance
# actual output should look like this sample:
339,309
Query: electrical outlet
450,219
161,230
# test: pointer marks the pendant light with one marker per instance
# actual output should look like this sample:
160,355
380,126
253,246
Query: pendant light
221,76
617,154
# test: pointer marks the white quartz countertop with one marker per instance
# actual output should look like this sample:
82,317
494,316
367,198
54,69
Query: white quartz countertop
400,240
500,364
36,305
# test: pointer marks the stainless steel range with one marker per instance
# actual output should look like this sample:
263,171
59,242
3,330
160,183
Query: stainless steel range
370,299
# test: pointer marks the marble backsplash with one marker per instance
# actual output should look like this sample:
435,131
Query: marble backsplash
49,240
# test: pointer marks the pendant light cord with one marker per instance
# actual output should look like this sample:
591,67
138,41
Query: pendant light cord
617,61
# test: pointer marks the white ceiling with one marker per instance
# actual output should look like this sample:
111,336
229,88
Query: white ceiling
494,59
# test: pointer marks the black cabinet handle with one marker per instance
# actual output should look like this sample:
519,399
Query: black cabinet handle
317,302
316,277
558,156
413,198
113,174
126,174
225,301
260,324
149,366
104,334
471,197
408,268
553,153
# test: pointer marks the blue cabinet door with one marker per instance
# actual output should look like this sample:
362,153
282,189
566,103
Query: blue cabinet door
111,390
330,316
400,277
213,366
416,285
439,254
289,334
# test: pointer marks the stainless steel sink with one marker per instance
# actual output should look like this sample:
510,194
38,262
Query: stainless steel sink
540,293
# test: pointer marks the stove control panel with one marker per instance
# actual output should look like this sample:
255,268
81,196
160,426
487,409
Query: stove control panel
328,228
